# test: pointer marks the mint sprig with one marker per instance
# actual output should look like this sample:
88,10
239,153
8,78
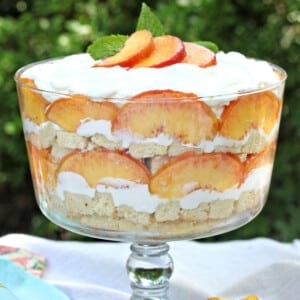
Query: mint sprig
207,44
112,44
107,45
148,20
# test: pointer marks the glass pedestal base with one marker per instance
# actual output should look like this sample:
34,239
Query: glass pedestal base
149,268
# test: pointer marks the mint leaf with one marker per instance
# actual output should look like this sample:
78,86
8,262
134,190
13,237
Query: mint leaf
107,46
148,20
210,45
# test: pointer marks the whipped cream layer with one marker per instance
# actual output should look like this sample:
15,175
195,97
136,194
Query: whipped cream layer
74,74
138,197
103,127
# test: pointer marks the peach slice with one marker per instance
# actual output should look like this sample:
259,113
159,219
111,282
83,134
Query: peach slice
96,165
251,297
219,298
265,157
178,114
33,104
136,47
42,166
191,171
68,113
199,55
167,50
257,111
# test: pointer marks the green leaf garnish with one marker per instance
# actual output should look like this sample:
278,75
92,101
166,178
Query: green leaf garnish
210,45
107,46
148,20
112,44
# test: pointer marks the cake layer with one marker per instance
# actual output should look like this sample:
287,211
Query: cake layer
101,213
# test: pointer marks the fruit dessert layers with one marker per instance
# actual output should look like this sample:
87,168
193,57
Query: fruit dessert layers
129,147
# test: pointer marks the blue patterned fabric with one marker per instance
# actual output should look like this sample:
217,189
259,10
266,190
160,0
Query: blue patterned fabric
17,284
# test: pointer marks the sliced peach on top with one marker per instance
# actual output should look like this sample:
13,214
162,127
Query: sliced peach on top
68,113
191,171
97,165
167,50
33,104
177,114
136,47
253,111
250,297
263,158
219,298
199,55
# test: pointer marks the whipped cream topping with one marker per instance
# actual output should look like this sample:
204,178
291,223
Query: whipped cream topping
138,197
75,75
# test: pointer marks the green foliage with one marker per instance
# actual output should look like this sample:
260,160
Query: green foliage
107,45
148,20
268,29
210,45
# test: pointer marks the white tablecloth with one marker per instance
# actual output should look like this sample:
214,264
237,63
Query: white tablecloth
96,270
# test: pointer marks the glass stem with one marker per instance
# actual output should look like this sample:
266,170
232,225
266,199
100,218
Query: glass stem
149,267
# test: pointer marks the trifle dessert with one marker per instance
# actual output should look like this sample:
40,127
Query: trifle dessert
164,138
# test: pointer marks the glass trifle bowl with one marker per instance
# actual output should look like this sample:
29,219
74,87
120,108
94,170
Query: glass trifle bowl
151,155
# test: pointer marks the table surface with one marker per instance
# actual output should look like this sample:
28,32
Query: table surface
96,270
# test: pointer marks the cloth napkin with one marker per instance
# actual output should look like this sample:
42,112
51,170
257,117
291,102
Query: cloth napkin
17,284
96,270
5,294
31,262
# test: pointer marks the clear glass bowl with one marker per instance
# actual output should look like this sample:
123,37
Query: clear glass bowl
156,167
